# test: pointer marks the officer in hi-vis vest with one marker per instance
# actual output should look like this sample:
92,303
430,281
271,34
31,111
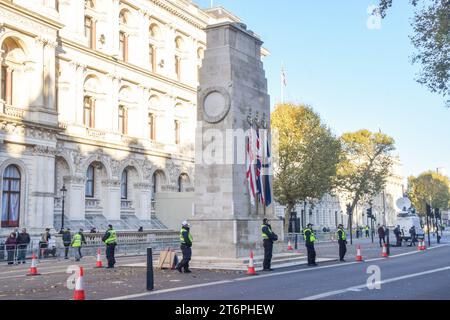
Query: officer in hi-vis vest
310,238
186,247
110,239
268,237
342,241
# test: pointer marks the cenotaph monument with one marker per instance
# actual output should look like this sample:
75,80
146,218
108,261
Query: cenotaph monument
232,98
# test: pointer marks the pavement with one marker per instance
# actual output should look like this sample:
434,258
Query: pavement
128,282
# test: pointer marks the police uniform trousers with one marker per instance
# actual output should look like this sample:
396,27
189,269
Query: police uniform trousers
110,251
268,248
311,253
342,249
187,254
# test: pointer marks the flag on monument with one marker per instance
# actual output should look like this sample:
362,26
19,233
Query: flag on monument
250,158
267,172
259,173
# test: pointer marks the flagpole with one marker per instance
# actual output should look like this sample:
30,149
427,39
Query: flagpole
282,83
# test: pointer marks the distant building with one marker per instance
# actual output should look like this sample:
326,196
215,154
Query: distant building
331,211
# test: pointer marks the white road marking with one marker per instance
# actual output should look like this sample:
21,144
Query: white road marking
140,295
364,286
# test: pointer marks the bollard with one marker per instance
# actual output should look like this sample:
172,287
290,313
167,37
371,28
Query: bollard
150,284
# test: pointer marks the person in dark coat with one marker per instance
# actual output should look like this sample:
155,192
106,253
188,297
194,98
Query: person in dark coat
398,236
269,237
67,240
23,240
10,245
381,235
413,235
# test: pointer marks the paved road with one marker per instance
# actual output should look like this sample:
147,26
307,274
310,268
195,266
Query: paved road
411,275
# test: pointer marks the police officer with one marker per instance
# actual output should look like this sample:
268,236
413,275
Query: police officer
310,238
342,240
110,239
186,247
268,239
367,229
77,240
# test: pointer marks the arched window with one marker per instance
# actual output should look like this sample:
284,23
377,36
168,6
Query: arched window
12,70
124,185
177,131
152,57
90,175
178,43
183,181
11,197
151,126
89,112
123,120
89,4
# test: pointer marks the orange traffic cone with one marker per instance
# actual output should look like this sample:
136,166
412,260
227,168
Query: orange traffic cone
251,266
78,294
384,252
33,268
290,246
419,246
424,246
99,263
358,254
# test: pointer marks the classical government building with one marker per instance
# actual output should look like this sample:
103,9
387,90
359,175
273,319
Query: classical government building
98,98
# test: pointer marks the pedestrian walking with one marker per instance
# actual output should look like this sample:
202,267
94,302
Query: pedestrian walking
11,245
342,241
381,234
398,236
77,242
186,247
310,238
43,243
67,240
413,235
23,240
269,237
110,239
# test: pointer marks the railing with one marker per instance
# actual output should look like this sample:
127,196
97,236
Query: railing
92,204
126,205
13,111
95,133
128,243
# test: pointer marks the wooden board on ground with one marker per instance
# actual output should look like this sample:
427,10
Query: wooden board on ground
167,259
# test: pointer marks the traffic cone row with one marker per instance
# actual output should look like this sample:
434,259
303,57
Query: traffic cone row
79,294
33,268
290,248
384,253
99,263
358,254
251,266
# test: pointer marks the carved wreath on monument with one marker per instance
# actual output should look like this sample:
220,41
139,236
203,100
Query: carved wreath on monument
216,103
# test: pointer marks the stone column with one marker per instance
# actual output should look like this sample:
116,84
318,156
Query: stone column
142,200
8,90
75,197
111,201
79,92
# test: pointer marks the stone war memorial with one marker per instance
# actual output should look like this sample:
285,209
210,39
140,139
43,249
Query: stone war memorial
232,99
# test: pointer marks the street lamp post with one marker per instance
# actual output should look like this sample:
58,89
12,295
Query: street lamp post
63,193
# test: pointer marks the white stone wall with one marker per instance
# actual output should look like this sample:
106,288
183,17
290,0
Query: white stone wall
43,132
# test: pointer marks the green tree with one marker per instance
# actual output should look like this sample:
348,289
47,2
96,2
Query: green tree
366,164
429,187
308,155
431,38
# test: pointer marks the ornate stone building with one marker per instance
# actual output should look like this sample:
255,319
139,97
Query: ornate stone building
98,96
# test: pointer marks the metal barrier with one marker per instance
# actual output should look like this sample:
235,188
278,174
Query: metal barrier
127,244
